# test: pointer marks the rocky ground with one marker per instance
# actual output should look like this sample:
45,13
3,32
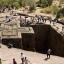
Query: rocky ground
7,55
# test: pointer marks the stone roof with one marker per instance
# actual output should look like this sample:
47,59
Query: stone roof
16,33
26,30
12,29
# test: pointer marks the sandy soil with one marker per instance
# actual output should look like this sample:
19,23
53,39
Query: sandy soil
35,58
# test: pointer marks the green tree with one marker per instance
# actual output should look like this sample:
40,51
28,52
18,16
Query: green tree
32,5
20,2
17,3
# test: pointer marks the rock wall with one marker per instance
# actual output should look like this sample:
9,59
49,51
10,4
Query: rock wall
28,41
15,42
46,37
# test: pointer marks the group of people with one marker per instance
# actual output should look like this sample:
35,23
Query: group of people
24,60
33,19
38,19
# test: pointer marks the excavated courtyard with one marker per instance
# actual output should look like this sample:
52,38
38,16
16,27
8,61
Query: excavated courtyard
7,55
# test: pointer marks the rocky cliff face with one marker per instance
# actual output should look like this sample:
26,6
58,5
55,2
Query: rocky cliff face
46,37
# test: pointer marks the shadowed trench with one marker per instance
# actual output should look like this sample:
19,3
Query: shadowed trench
47,37
44,37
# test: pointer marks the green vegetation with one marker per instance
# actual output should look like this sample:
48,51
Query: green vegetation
9,3
50,10
17,3
46,10
30,3
46,6
54,9
60,13
44,3
20,3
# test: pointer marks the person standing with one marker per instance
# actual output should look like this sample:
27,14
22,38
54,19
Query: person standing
22,58
22,55
14,61
26,60
48,53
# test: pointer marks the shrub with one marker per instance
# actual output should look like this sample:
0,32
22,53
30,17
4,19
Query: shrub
32,6
54,9
60,13
30,3
46,10
50,10
16,5
44,3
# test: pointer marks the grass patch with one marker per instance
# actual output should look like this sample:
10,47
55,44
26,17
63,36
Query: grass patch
46,10
50,10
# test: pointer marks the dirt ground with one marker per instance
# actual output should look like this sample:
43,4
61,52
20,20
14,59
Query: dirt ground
7,55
